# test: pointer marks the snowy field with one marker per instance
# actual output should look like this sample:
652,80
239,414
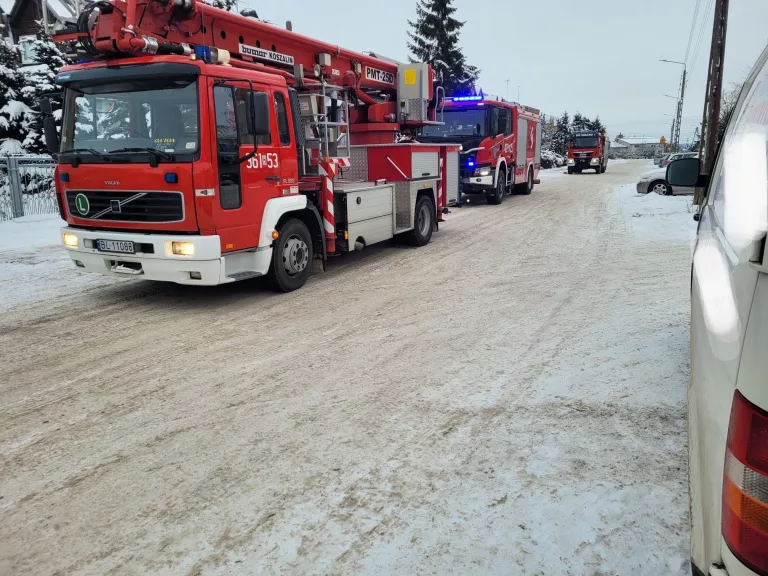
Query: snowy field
507,400
34,266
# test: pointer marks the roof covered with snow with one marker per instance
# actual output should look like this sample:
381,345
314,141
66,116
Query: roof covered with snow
61,9
618,145
637,140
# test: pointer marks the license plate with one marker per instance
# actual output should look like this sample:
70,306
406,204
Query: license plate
122,246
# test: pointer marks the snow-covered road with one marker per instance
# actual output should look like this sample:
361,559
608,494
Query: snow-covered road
509,399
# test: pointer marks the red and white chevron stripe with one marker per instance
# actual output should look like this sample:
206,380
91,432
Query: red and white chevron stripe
439,193
328,171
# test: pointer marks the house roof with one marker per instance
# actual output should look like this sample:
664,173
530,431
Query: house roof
618,145
637,140
62,10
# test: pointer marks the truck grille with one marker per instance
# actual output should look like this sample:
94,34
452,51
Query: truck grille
126,206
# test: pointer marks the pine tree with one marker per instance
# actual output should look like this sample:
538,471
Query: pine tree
228,5
435,40
40,81
596,124
14,113
562,134
579,122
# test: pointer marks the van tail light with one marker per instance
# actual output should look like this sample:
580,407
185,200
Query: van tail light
745,485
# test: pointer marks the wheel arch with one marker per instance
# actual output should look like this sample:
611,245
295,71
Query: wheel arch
278,210
312,219
426,193
652,183
502,163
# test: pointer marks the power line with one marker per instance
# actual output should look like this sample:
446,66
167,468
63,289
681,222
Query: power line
693,27
702,30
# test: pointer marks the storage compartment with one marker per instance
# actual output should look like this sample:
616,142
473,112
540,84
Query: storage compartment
366,210
425,164
370,203
370,231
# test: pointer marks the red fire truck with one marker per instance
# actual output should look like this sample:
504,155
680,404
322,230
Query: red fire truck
200,146
587,150
501,144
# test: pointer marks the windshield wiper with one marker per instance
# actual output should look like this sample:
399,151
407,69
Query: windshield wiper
76,151
154,151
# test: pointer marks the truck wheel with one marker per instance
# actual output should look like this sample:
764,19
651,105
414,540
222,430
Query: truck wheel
292,257
497,196
528,186
423,222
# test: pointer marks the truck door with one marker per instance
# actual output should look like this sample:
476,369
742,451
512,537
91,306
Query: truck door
245,186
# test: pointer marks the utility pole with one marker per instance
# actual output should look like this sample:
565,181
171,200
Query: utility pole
507,94
676,139
714,92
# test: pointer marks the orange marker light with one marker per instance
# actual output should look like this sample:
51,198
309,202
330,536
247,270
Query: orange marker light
275,234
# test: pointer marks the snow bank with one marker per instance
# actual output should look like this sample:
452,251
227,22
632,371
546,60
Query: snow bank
34,266
655,218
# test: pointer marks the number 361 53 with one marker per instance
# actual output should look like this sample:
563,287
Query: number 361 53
269,160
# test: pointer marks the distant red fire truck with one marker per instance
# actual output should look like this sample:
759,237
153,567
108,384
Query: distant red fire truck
501,144
587,150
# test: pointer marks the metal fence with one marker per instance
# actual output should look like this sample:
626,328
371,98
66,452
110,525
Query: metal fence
27,186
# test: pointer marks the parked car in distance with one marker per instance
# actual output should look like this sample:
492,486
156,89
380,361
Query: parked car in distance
655,181
728,392
677,156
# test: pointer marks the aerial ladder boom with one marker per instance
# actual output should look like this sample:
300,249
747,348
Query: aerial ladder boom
384,92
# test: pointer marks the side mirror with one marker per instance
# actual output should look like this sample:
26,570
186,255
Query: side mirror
684,172
257,114
49,126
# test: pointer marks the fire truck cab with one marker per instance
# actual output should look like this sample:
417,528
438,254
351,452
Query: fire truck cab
501,144
587,150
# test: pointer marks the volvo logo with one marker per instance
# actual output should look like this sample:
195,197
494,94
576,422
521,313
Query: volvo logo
112,182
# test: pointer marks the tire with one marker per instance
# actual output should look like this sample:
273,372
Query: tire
423,222
528,186
292,257
497,196
604,168
660,187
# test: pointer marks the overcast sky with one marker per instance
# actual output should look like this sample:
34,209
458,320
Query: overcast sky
597,57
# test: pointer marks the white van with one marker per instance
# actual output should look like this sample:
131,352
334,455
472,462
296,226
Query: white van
728,394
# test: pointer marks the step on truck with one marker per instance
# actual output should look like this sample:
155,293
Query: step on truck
587,150
201,146
501,145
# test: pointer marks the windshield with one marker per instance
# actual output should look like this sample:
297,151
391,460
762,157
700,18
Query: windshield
459,122
584,142
100,121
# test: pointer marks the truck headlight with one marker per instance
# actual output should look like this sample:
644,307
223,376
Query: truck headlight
484,171
595,161
70,240
571,161
183,248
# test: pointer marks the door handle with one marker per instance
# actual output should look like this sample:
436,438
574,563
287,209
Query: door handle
272,178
